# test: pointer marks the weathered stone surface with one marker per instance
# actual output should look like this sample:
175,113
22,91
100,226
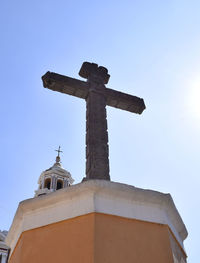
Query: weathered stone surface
91,71
97,163
97,96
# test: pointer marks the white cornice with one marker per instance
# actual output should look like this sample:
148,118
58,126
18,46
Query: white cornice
97,196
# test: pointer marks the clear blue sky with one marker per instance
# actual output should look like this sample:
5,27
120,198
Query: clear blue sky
151,49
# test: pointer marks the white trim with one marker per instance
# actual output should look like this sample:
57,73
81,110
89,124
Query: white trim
97,196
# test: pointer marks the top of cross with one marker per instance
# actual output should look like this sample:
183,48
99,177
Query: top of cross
93,72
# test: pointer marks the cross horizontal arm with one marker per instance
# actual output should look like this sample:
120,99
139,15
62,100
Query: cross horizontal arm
80,89
124,101
66,85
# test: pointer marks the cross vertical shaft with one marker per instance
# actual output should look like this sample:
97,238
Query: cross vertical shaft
97,162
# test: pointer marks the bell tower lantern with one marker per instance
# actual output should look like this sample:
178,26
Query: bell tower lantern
54,178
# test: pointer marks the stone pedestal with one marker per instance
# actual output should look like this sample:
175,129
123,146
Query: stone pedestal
98,221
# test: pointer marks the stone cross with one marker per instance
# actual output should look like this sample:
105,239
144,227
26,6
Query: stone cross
97,96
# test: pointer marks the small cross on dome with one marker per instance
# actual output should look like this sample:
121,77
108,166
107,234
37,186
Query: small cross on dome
59,151
58,156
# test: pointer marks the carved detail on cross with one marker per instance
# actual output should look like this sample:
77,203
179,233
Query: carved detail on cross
97,96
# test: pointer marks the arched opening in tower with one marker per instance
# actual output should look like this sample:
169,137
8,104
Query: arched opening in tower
59,184
47,183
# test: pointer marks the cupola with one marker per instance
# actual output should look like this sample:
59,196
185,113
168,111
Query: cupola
54,178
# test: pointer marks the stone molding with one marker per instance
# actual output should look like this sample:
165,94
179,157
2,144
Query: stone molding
97,196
